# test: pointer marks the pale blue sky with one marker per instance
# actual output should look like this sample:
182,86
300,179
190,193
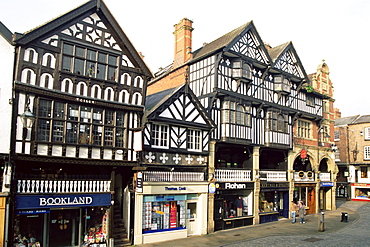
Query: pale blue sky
335,30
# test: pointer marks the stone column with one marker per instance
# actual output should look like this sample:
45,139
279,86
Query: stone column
211,178
256,179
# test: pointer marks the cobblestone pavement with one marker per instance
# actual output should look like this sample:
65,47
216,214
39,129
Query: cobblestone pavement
354,234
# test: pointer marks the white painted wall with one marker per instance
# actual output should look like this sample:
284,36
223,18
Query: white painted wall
6,82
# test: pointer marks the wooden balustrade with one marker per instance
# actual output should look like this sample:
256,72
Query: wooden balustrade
29,186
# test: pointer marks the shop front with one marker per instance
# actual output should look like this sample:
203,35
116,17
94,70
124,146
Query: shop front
306,192
63,220
273,201
325,195
360,192
166,211
233,205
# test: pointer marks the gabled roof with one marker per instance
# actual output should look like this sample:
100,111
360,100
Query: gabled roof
157,106
345,121
219,43
362,119
93,6
276,51
6,33
282,52
227,41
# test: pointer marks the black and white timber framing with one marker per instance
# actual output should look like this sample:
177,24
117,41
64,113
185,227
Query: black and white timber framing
253,94
177,130
85,82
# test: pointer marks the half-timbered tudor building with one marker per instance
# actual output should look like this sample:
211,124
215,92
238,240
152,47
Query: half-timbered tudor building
6,75
172,202
256,95
83,83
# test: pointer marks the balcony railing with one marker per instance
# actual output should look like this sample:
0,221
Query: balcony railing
231,175
160,176
273,176
302,176
324,176
29,186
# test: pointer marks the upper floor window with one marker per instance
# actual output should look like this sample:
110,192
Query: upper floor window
310,100
160,134
304,129
194,140
336,135
367,133
88,62
74,124
367,152
277,122
235,113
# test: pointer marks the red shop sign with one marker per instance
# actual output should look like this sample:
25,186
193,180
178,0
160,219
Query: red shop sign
303,154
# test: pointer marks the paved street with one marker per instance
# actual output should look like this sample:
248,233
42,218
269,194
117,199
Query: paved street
356,232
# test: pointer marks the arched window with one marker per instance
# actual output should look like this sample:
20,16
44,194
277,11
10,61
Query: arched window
136,99
240,115
123,96
125,79
66,86
30,55
81,89
281,123
46,80
96,92
48,60
28,76
138,82
109,94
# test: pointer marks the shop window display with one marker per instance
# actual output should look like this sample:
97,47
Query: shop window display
164,213
235,206
362,193
96,224
268,202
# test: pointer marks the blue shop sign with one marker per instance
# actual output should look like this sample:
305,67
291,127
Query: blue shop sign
40,211
62,201
326,184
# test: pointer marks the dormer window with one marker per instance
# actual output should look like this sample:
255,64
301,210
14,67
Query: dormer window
281,84
242,71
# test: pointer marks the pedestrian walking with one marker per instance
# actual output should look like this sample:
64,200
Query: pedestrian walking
293,210
302,212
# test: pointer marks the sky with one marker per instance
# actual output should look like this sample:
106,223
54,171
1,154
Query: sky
337,31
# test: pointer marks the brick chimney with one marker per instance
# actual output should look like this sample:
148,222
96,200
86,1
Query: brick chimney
183,42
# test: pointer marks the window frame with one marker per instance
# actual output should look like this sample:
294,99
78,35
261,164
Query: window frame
160,135
194,140
305,131
366,152
89,65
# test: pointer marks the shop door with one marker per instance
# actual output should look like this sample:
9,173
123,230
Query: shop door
63,228
311,201
191,222
286,204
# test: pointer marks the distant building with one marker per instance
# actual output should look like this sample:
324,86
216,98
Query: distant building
352,137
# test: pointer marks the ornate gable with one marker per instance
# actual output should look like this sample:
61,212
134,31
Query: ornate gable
250,45
181,106
288,61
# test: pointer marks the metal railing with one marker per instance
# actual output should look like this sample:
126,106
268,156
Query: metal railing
29,186
232,175
162,176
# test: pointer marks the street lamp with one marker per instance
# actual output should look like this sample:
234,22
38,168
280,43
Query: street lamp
28,119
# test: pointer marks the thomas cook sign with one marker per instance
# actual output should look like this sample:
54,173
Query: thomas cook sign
55,201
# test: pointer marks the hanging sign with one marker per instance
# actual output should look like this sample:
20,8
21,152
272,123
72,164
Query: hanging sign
303,154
